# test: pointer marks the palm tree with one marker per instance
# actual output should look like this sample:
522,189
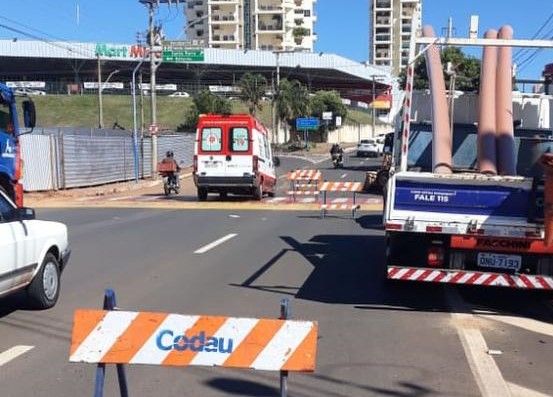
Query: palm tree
252,88
292,101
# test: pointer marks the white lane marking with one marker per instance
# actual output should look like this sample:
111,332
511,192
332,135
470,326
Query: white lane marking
14,352
214,244
483,366
147,198
277,199
307,200
521,322
520,391
339,200
343,176
234,216
120,198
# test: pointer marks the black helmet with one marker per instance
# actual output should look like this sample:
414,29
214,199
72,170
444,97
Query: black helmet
169,153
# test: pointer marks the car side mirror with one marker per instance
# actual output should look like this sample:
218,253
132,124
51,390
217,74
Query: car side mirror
24,214
29,114
276,161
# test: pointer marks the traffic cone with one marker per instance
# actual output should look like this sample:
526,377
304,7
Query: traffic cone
546,161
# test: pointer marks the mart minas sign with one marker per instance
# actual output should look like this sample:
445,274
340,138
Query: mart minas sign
121,51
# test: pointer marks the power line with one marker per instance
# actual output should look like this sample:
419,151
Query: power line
521,53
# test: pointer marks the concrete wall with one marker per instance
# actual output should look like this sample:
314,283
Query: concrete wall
346,133
352,134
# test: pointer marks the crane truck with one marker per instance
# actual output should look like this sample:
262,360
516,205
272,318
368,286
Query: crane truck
448,218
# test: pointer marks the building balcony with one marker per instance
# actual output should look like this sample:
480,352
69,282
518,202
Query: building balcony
231,39
276,28
219,19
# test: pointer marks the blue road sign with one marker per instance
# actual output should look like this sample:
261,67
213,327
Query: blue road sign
307,123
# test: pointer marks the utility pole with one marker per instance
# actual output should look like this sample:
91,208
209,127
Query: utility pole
372,105
276,96
153,68
100,105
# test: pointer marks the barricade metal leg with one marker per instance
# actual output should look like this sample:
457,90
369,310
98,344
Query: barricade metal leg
323,207
285,314
354,208
110,304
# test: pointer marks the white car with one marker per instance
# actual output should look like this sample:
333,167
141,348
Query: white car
28,91
369,147
33,254
180,94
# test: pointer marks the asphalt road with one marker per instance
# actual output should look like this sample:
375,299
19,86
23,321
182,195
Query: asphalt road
375,338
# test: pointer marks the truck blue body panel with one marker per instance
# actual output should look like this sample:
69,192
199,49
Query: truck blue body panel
8,141
455,198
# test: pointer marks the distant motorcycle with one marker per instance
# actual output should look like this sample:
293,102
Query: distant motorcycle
337,160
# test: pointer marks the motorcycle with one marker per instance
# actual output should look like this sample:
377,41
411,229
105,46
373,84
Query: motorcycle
170,177
337,160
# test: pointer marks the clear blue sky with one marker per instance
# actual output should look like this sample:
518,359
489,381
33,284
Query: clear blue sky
342,26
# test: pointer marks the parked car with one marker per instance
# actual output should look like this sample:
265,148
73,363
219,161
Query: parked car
180,94
28,91
369,147
33,252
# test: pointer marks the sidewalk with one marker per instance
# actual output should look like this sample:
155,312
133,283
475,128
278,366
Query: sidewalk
101,190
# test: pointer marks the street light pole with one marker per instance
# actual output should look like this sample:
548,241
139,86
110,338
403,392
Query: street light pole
100,89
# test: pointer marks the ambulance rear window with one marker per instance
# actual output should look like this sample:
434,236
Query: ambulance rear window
239,139
211,139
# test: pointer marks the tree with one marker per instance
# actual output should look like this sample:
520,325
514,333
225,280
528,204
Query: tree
327,101
292,101
467,69
253,87
205,102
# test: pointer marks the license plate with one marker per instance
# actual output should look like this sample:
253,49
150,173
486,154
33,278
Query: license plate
499,261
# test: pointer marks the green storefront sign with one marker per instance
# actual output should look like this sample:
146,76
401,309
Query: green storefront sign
104,50
183,55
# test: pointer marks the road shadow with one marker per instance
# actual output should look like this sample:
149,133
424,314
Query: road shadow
14,302
350,269
241,387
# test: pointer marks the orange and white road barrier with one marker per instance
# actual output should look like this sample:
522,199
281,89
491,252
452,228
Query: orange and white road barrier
546,161
304,183
122,337
345,187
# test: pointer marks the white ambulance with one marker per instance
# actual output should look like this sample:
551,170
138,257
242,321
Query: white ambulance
233,155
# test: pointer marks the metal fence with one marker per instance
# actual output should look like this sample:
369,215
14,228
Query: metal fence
62,159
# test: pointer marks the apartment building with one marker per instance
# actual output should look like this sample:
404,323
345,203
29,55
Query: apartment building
273,25
390,24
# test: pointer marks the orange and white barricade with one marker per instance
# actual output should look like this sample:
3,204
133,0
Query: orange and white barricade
343,187
304,183
126,337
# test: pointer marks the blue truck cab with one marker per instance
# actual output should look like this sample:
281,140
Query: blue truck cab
10,155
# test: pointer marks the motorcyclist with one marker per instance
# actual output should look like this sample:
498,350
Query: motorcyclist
170,159
336,151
